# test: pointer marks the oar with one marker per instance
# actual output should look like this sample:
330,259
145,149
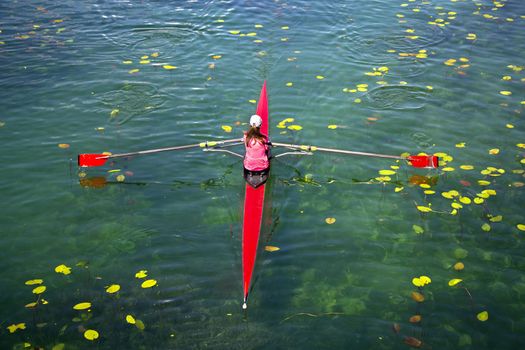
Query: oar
98,159
415,161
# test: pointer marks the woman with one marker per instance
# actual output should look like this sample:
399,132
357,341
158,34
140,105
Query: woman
256,162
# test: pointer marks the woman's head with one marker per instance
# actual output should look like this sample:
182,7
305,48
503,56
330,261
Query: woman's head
255,121
255,130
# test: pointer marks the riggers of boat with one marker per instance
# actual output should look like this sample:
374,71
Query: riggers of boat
254,196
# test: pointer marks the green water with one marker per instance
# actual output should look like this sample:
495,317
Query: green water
65,79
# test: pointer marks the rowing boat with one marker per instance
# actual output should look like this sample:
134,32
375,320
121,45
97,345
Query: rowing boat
253,210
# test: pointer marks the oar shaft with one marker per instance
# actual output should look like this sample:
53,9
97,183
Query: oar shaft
205,144
309,148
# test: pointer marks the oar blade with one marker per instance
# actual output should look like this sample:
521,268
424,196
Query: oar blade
424,161
90,159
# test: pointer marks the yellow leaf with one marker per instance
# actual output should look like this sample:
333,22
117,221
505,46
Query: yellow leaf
460,145
425,280
332,126
330,221
289,84
386,172
478,200
454,281
485,227
133,71
448,169
82,306
121,178
226,128
14,327
320,77
415,319
497,218
113,288
465,200
148,283
295,127
509,126
234,32
144,61
456,205
33,282
252,101
423,209
483,316
63,145
31,305
127,62
418,229
521,227
155,55
141,274
505,93
357,100
459,266
483,182
270,248
494,151
169,67
130,319
466,167
417,282
285,27
216,57
399,189
91,334
471,36
140,325
145,57
39,290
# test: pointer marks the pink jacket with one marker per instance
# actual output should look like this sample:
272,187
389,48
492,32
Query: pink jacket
256,158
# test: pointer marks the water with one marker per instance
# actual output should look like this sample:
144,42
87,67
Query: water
178,215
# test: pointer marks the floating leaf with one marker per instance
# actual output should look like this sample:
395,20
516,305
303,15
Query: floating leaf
497,218
127,62
226,128
332,126
329,221
416,296
459,266
424,209
63,145
454,281
289,84
31,305
270,248
465,200
485,227
295,127
141,274
144,61
386,172
121,178
113,288
234,32
130,319
82,306
14,327
91,334
155,55
483,316
39,290
505,93
169,67
148,283
399,189
471,36
521,227
417,282
133,71
33,282
320,77
425,280
114,113
216,57
494,151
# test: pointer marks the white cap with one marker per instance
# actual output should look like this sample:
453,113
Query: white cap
256,121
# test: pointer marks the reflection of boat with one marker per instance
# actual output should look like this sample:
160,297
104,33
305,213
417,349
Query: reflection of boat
253,210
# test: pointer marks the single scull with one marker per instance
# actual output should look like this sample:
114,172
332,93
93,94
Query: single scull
253,210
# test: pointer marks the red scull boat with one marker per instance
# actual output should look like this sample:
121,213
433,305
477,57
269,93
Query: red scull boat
253,210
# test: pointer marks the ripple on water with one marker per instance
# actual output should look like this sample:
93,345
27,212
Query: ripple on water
398,97
375,47
132,100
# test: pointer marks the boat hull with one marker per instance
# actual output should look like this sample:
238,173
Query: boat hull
253,210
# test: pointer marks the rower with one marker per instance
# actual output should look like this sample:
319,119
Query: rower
256,159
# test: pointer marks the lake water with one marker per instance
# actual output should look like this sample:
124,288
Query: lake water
440,77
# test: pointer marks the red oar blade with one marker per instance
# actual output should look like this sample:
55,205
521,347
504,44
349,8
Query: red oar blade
424,161
86,160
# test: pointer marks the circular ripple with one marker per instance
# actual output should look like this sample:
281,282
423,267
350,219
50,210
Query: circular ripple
399,97
132,100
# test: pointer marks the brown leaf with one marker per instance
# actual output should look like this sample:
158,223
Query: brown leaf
414,342
416,296
415,319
